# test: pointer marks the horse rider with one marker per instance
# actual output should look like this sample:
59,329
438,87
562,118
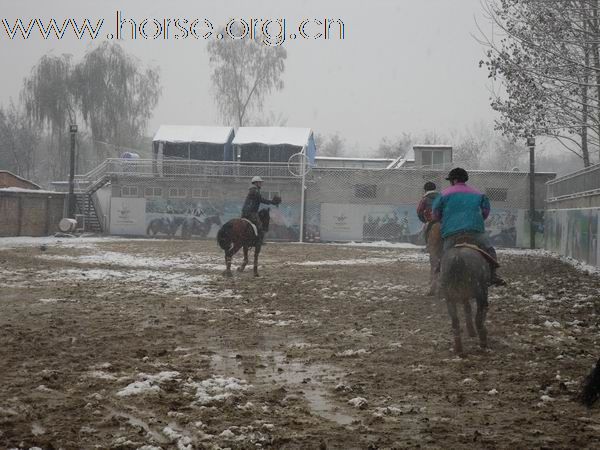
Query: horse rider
424,209
252,204
462,210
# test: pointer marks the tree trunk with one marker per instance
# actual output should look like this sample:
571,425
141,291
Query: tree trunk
596,56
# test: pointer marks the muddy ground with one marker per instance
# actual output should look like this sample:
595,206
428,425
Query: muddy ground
142,344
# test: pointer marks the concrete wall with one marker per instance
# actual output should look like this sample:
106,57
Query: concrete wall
572,228
30,214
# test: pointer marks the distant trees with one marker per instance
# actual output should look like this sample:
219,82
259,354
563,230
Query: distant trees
547,57
18,141
244,72
108,92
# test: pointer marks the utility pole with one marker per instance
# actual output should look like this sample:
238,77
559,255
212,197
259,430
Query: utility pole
73,132
532,227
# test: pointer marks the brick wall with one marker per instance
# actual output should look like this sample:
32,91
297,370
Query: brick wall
30,214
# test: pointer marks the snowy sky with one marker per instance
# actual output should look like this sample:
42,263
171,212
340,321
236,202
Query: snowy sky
404,65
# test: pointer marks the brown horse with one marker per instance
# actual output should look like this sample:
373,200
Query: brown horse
239,233
434,247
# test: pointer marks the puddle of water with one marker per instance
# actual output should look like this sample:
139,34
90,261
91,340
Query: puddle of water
270,367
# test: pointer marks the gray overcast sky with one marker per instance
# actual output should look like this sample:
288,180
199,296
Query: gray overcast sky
404,66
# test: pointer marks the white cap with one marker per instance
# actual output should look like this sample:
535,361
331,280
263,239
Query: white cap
255,179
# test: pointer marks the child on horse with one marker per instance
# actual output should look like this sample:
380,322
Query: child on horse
424,210
252,204
462,210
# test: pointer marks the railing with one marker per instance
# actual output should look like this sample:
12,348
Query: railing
183,168
583,182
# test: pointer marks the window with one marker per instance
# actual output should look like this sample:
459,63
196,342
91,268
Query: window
365,190
129,191
432,157
177,192
497,194
438,158
153,192
426,158
200,193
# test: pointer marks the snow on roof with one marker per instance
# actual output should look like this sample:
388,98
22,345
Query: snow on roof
21,178
272,136
344,158
193,133
432,146
33,191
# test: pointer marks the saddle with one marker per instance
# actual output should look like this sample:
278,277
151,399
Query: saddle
485,254
253,226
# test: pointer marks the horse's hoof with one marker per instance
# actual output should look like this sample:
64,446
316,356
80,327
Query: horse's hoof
227,274
240,269
256,274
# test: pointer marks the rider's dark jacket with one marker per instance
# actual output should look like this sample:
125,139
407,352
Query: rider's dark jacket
253,201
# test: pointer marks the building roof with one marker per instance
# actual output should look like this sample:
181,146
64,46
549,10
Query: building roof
193,133
30,183
432,146
344,158
272,136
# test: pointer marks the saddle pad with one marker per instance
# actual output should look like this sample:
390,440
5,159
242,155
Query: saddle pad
485,254
253,227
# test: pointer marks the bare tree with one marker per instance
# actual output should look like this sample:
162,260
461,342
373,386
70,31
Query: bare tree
244,72
48,100
548,61
116,96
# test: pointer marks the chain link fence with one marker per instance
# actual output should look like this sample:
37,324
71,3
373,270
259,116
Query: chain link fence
373,205
193,198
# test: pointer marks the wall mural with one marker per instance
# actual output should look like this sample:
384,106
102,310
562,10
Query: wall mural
351,222
200,218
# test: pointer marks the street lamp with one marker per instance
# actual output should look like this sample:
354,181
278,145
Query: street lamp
73,132
531,145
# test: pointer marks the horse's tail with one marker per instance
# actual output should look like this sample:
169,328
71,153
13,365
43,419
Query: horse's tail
455,270
149,228
224,236
590,391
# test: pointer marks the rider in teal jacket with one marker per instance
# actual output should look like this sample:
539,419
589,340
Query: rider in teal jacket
462,210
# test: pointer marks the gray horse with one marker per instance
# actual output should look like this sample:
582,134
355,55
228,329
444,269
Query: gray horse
465,275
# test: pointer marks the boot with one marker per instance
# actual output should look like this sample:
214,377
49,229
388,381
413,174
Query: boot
495,280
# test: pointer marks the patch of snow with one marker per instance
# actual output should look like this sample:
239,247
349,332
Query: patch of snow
75,242
493,392
348,262
350,353
382,244
218,389
149,383
553,324
358,402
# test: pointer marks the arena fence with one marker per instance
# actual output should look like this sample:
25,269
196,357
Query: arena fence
573,215
180,197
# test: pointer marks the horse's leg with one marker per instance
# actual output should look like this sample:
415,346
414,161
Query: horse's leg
482,307
434,262
469,318
228,257
245,261
451,304
256,252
